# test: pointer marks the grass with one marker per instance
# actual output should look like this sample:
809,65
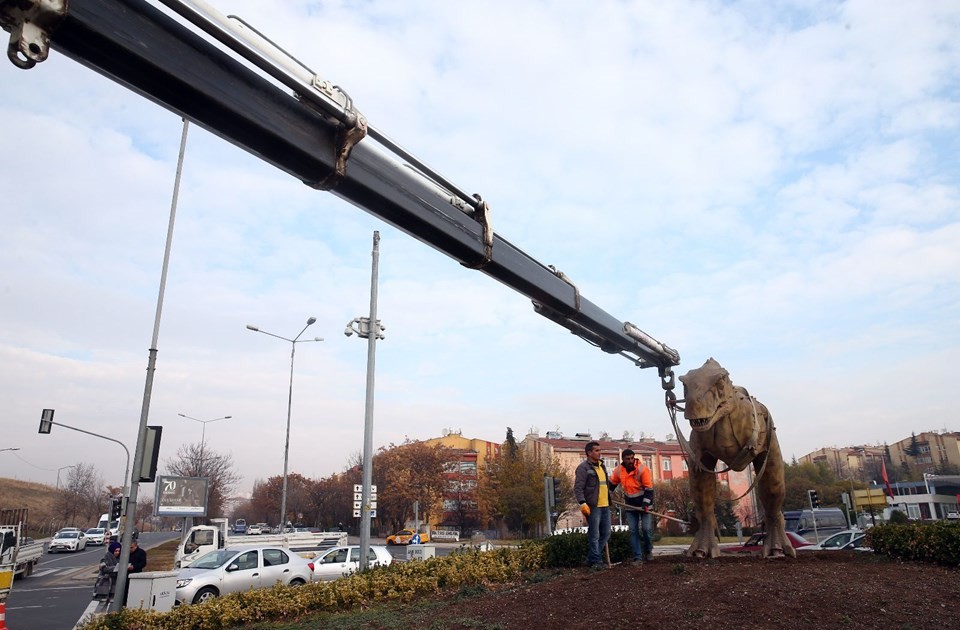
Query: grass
160,558
38,498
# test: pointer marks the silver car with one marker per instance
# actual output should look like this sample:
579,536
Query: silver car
342,561
240,569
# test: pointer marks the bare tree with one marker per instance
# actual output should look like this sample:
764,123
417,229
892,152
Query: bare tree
79,499
196,460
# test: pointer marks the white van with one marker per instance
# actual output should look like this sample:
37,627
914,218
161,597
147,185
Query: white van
829,521
107,525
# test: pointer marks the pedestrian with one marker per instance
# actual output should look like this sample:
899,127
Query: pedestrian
591,489
106,584
636,481
138,558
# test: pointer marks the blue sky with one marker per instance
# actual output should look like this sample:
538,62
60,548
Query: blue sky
771,184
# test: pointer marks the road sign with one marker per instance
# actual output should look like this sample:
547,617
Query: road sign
358,496
373,514
356,505
357,487
356,514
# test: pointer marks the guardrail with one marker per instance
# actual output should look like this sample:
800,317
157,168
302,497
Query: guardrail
445,535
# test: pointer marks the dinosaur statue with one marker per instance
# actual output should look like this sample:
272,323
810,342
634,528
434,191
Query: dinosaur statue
729,425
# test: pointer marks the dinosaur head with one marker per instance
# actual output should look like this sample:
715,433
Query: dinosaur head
704,391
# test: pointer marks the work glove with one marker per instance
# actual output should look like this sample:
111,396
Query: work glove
585,509
645,504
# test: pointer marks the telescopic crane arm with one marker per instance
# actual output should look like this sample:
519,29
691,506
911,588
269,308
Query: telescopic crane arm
220,73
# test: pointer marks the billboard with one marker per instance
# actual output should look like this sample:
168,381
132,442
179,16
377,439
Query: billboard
180,496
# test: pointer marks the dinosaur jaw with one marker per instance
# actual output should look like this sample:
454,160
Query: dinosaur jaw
703,424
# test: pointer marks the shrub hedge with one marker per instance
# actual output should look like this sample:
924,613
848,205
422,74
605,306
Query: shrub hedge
927,542
398,582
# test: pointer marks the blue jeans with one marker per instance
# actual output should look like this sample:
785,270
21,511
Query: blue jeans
641,541
598,533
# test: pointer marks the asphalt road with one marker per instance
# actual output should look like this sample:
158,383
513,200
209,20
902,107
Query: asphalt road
61,587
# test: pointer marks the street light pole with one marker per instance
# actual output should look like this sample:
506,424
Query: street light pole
9,449
58,473
368,328
203,435
286,446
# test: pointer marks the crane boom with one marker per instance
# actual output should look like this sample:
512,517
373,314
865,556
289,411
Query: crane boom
222,74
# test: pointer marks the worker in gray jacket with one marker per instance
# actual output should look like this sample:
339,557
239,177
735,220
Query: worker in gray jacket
591,489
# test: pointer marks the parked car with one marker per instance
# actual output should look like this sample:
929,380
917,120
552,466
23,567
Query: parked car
70,540
95,535
754,544
953,516
253,530
406,537
342,561
239,569
841,540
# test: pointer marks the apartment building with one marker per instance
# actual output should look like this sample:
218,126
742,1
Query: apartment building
664,458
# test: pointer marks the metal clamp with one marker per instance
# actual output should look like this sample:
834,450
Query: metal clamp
347,138
481,215
566,278
30,23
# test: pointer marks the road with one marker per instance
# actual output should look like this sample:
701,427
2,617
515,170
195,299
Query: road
61,587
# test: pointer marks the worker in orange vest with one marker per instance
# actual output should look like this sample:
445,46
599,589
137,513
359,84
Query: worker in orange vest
637,483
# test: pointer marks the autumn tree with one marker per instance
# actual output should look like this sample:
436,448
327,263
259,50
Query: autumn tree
412,471
265,500
511,489
332,501
196,460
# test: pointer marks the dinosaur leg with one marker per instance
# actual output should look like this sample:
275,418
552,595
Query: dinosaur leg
703,490
771,490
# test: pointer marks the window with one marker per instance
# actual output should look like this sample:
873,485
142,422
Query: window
666,464
686,468
913,511
611,463
274,557
468,468
355,555
247,561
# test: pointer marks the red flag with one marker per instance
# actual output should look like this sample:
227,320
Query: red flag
883,475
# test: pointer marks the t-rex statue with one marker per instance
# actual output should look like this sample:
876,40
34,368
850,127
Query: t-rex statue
729,425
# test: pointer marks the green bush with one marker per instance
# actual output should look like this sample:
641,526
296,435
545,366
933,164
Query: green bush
570,549
937,542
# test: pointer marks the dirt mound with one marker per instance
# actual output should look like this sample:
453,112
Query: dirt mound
818,589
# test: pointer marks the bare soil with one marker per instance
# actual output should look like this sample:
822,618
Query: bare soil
817,589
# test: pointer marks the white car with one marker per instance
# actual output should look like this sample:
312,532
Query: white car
342,561
253,530
70,540
95,535
847,539
239,569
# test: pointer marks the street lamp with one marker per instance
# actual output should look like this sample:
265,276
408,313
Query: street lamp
369,328
203,434
286,446
58,473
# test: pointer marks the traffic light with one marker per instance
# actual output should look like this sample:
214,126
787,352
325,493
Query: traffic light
116,506
556,491
814,499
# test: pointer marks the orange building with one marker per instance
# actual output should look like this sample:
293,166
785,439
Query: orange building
466,457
